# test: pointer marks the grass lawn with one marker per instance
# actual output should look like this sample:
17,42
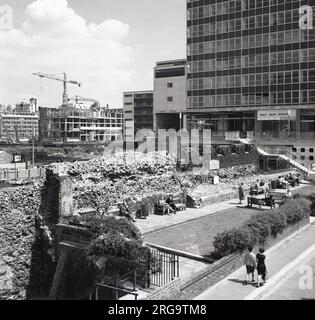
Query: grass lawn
197,236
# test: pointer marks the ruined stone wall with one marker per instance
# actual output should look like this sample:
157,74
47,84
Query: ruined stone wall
28,218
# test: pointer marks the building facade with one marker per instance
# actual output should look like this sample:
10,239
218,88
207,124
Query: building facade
170,96
69,124
138,110
18,127
251,70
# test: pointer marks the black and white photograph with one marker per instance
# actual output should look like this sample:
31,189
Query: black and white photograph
157,155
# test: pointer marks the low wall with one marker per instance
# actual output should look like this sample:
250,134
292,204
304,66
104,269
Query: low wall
183,289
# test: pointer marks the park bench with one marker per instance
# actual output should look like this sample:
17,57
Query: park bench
279,196
161,206
267,202
179,204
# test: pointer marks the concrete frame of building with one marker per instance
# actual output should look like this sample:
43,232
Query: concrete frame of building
68,124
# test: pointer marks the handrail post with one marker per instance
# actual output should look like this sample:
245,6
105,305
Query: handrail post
96,292
135,280
116,285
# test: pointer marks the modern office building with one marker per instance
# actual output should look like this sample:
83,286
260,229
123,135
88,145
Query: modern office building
138,110
18,126
69,124
251,70
170,96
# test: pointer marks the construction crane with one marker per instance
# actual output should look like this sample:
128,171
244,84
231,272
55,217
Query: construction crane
63,79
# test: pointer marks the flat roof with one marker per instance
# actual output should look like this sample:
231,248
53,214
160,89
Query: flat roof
137,92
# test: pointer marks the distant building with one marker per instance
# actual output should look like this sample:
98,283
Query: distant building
18,126
30,106
69,124
170,94
138,107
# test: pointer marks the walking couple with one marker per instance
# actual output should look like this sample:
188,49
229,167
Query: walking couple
253,262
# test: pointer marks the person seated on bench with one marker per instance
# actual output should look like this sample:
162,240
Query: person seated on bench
283,183
289,194
125,212
171,203
164,208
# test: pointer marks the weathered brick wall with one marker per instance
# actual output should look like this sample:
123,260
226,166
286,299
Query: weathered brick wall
205,279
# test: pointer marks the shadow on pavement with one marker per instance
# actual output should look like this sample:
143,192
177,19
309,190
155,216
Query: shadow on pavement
249,283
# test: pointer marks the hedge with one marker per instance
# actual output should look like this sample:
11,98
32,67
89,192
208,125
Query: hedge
262,226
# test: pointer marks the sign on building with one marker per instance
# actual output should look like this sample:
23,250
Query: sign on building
276,115
17,158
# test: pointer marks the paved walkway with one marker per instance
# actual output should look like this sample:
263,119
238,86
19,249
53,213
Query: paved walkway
290,287
157,222
278,259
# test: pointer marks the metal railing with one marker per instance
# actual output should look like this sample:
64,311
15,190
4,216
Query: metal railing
115,289
164,267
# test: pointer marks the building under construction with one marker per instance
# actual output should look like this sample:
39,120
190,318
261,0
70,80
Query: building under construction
71,124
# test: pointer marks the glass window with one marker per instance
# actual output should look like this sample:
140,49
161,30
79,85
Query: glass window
280,17
259,21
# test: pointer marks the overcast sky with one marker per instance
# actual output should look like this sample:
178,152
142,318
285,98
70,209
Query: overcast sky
110,46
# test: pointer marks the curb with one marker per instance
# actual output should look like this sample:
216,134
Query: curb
281,275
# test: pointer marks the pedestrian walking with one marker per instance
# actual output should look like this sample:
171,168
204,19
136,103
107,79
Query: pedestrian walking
241,192
250,263
261,267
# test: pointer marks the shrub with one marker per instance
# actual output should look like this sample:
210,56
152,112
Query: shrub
278,222
296,210
232,241
111,225
261,226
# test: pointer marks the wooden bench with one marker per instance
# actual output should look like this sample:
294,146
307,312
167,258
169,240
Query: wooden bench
278,195
179,204
267,202
161,208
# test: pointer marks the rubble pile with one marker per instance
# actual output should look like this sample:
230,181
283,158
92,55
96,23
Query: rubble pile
104,181
18,209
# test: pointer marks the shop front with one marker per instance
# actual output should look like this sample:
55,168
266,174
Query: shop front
276,124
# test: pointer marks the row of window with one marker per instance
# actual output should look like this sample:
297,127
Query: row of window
226,7
250,61
246,23
303,150
249,42
249,80
258,99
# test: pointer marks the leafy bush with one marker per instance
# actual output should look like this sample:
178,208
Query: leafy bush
261,226
111,225
232,241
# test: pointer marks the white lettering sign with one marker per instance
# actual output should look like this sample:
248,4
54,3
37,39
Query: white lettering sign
306,18
277,115
6,18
